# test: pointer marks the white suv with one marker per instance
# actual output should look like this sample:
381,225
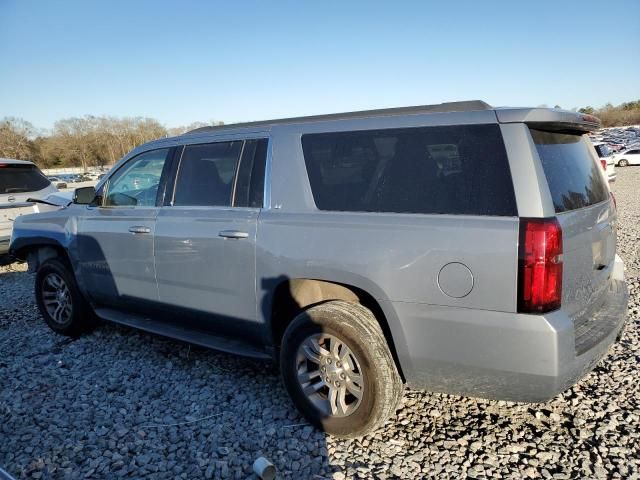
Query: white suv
19,181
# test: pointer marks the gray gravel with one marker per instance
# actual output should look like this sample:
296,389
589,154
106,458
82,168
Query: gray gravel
121,403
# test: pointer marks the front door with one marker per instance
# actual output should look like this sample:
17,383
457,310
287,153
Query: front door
205,239
115,238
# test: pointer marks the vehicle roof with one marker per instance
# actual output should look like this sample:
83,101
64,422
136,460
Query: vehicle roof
537,116
466,106
13,161
503,115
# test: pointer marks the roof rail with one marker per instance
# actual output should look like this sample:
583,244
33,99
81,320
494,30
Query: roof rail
466,106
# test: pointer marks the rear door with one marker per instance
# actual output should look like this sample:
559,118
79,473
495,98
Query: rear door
586,214
205,238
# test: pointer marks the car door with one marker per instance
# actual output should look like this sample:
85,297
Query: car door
634,157
205,238
115,236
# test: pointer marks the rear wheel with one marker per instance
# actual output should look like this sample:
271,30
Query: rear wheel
623,163
338,369
60,302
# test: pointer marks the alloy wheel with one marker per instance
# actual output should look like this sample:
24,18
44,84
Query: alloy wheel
56,298
330,375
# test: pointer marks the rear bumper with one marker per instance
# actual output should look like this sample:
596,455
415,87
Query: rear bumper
503,356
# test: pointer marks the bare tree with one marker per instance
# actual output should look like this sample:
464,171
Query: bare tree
16,138
83,141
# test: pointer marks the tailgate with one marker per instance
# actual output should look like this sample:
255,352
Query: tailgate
589,249
10,211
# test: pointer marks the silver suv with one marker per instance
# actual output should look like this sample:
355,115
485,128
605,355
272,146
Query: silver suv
457,248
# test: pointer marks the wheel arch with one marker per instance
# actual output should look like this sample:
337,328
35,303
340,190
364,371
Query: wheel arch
36,251
294,295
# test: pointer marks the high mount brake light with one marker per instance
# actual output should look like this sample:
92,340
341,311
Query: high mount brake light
539,265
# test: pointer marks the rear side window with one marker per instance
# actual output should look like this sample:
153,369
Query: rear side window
21,178
431,170
206,174
573,174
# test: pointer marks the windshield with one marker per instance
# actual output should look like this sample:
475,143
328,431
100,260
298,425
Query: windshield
21,178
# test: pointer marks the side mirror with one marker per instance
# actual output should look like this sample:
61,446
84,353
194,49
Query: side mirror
84,195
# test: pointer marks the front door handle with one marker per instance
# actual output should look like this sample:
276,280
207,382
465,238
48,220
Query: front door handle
233,234
139,229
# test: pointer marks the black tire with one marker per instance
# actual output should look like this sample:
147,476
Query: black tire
623,163
356,328
81,318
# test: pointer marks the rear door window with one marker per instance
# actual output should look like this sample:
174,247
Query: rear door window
459,169
575,178
21,178
206,174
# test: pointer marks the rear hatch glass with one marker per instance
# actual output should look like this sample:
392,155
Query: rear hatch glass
17,184
575,179
581,199
21,178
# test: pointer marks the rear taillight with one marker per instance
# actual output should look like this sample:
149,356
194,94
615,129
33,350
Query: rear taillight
539,265
603,162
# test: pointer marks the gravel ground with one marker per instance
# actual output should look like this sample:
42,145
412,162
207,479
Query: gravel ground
121,403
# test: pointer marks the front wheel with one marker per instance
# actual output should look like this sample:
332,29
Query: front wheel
60,302
338,369
623,163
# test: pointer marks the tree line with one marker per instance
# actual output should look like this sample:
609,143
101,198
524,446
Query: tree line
91,141
627,113
85,142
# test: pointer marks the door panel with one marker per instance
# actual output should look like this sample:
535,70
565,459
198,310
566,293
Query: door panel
116,264
115,240
205,267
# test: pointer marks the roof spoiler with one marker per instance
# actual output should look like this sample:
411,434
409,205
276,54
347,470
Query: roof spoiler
549,119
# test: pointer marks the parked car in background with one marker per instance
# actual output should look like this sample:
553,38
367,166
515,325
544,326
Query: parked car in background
605,156
57,182
19,181
456,247
627,157
67,177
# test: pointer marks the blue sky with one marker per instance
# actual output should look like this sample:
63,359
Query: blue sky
189,61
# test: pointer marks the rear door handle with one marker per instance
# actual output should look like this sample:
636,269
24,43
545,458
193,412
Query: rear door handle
139,229
233,234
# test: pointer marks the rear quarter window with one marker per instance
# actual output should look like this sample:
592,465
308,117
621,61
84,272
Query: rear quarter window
575,178
459,170
21,178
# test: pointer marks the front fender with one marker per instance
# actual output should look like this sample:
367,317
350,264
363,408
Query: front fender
55,229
